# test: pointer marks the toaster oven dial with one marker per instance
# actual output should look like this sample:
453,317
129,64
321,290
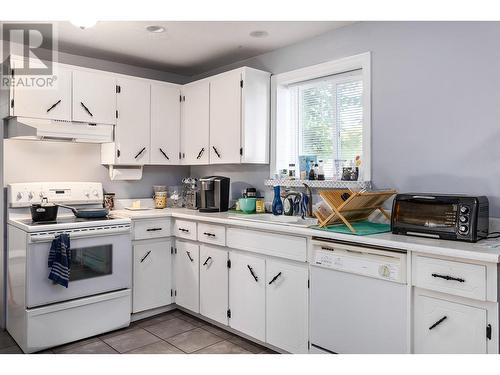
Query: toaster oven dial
464,210
463,229
463,219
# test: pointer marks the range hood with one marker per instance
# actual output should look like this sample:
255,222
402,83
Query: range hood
57,130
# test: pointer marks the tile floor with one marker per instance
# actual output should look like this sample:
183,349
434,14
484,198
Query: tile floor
173,332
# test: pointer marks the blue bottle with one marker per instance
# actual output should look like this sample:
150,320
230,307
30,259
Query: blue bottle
277,204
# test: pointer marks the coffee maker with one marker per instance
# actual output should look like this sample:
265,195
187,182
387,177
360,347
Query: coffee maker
214,191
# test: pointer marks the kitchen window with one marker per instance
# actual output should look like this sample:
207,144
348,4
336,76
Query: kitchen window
323,111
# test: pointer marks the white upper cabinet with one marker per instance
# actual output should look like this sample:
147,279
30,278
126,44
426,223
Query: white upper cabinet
225,118
132,131
239,117
255,116
195,123
94,97
165,123
53,103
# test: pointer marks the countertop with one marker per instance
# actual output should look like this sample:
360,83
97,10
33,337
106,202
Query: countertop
484,251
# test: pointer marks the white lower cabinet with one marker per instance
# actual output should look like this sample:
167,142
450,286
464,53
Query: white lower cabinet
247,294
187,275
214,283
287,305
152,275
442,326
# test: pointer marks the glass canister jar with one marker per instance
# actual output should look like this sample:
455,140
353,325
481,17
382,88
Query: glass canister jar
160,199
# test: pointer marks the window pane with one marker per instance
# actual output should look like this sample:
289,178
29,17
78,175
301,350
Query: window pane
317,123
350,119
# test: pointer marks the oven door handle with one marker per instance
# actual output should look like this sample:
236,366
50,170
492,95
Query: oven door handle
82,234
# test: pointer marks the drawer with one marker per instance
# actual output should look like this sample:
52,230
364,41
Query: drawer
278,245
214,234
461,279
185,229
153,228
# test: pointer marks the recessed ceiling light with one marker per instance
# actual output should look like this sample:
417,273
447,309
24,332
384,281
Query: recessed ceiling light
83,23
155,29
259,34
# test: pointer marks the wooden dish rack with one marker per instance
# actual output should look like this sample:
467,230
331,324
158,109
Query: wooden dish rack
350,206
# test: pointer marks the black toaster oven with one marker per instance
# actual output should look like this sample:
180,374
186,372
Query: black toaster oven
449,217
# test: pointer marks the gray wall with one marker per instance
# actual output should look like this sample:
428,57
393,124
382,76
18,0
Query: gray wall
59,161
435,101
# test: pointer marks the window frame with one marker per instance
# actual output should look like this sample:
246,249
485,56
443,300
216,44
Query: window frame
279,93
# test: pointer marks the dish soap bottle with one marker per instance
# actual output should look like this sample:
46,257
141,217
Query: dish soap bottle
277,204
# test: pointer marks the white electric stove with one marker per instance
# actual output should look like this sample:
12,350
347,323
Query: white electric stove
41,314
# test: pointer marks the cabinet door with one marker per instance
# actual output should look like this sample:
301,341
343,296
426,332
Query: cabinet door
287,306
442,326
48,103
247,295
195,123
187,275
225,118
94,97
165,124
132,131
214,283
152,276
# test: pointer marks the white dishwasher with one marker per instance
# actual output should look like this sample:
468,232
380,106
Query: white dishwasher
358,299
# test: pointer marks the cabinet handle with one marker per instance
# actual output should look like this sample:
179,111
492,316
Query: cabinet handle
189,256
140,152
145,256
200,153
446,277
164,154
153,229
53,106
206,261
438,322
216,152
252,273
209,234
274,278
184,230
86,109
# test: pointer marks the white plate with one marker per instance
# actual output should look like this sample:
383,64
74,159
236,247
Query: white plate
138,208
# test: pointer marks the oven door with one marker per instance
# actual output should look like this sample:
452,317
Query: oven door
100,262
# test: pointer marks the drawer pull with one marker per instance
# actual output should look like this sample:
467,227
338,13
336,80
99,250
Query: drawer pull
153,229
446,277
252,273
209,234
438,322
184,230
206,261
189,256
274,278
145,256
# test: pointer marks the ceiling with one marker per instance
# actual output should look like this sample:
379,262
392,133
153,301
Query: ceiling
186,48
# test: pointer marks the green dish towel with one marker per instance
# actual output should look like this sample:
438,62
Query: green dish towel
362,228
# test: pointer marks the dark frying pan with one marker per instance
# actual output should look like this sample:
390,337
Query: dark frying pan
87,213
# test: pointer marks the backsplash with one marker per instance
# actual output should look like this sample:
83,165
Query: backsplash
58,161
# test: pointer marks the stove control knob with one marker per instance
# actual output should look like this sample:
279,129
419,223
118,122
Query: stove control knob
87,194
384,271
41,194
463,228
19,196
463,219
464,209
31,195
96,194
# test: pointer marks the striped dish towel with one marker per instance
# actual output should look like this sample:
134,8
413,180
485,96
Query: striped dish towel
60,260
